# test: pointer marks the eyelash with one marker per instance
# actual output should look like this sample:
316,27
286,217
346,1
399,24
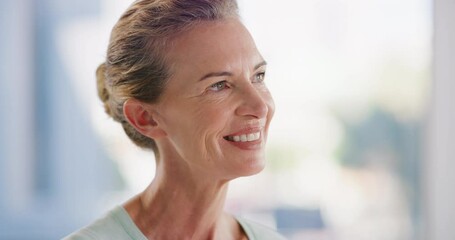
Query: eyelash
217,85
262,74
221,85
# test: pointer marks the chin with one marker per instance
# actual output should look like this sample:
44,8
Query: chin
250,167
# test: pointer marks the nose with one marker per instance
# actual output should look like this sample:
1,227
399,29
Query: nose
254,102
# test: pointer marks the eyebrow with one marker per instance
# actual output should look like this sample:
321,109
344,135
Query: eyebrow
229,74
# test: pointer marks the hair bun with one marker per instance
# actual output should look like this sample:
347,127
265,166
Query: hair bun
103,93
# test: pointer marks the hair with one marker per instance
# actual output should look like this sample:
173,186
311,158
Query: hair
135,65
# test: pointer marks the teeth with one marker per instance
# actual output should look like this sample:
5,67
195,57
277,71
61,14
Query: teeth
245,137
251,137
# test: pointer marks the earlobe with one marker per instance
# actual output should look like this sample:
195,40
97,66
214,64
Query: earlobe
140,115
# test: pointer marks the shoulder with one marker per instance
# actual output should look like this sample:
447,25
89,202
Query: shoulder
256,231
114,225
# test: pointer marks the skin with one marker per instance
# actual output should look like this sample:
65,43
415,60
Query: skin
216,90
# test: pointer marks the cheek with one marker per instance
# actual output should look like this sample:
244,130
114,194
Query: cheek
211,120
201,125
204,132
213,109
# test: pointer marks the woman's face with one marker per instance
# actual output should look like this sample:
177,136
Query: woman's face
216,108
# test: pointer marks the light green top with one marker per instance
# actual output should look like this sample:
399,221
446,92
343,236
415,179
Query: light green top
117,225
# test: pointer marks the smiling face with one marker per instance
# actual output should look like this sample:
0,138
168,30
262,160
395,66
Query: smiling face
216,108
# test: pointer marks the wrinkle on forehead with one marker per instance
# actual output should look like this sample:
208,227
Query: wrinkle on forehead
201,50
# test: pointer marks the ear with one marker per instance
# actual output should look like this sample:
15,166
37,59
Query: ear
141,116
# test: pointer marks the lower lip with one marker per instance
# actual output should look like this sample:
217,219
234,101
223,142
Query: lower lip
253,145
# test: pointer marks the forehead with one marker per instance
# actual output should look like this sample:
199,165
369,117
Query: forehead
213,45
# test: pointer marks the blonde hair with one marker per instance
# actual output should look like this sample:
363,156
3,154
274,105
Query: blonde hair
135,65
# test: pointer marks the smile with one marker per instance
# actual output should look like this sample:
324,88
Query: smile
244,137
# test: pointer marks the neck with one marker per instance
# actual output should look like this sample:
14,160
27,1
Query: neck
181,203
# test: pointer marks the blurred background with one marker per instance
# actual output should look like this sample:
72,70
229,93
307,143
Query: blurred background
360,146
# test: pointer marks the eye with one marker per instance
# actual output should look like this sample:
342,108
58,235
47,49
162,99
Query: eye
259,77
218,86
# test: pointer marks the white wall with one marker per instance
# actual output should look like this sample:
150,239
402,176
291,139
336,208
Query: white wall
439,168
16,98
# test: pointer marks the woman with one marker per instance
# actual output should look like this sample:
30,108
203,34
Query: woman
185,79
